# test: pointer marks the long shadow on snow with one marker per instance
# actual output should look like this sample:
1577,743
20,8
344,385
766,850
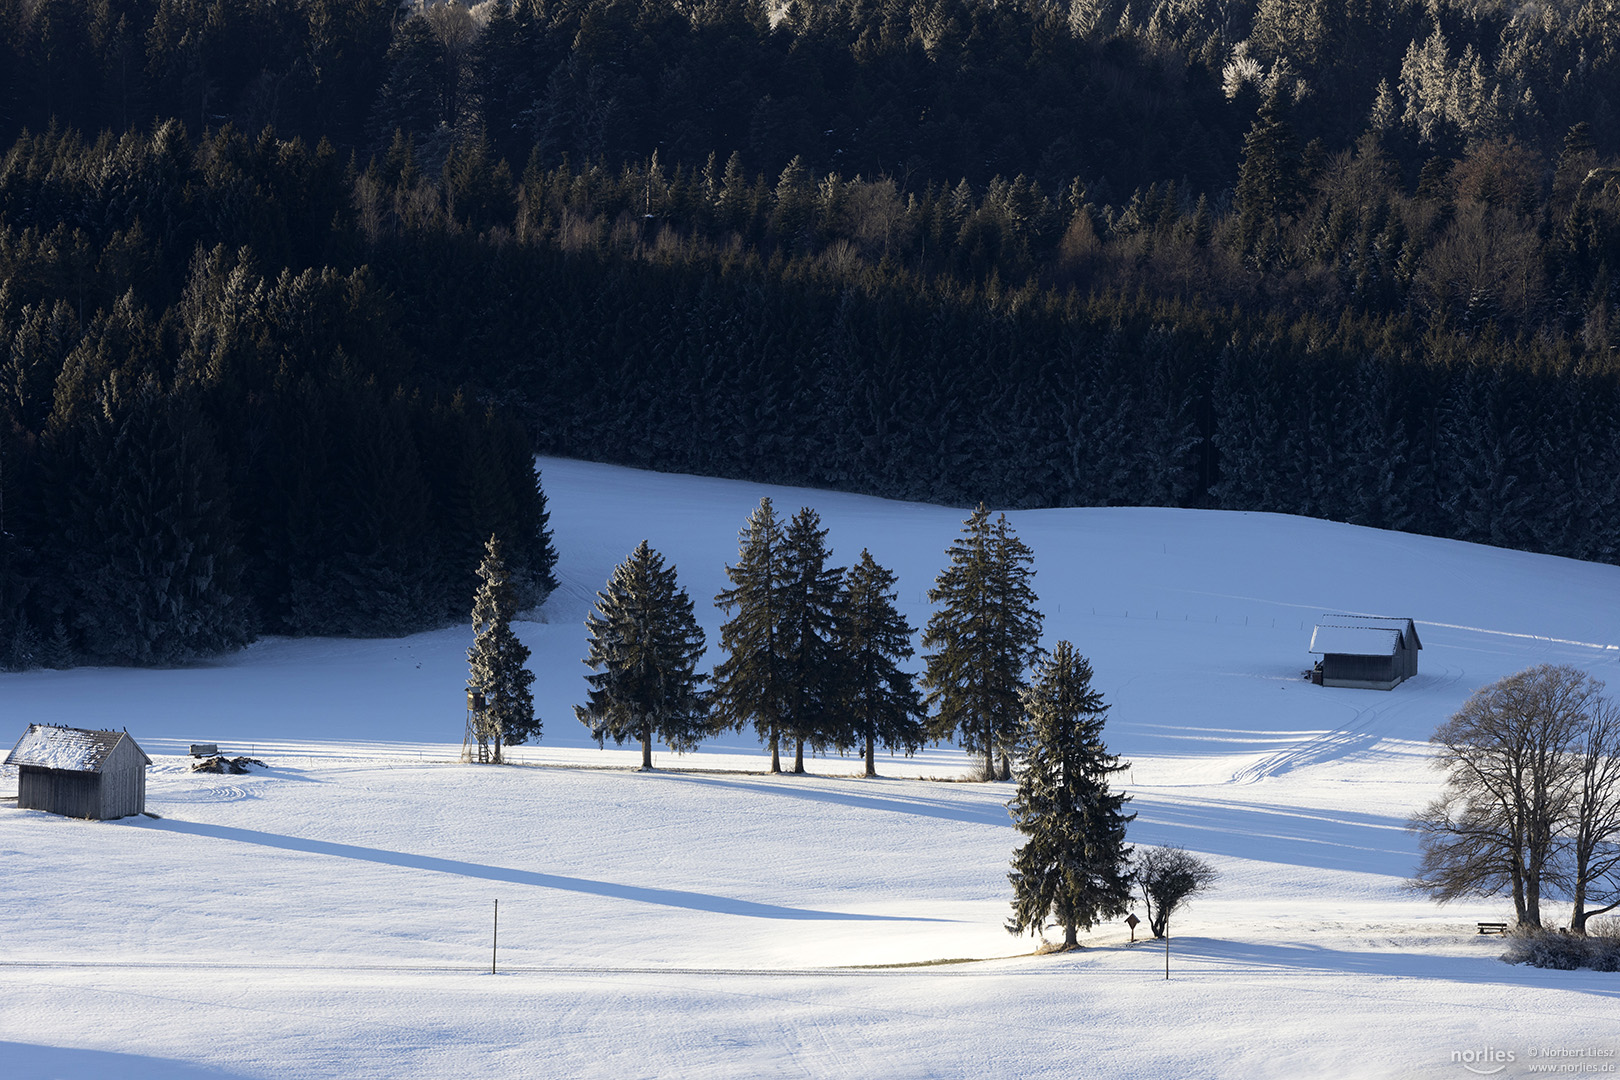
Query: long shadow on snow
1239,957
1294,836
678,898
71,1063
944,809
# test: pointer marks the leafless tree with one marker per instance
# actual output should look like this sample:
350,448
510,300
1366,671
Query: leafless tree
1509,789
1594,827
1169,877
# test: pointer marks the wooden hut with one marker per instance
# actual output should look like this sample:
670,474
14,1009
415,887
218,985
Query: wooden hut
1364,651
79,773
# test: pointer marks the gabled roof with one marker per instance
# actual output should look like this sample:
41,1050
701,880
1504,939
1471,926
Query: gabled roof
1406,628
1355,641
68,749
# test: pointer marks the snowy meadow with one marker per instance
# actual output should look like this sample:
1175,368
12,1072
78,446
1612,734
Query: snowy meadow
331,914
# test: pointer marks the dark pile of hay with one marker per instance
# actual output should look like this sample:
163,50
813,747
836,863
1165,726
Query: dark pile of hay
221,764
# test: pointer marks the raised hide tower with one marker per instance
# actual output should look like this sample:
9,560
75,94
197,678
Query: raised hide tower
79,773
1364,651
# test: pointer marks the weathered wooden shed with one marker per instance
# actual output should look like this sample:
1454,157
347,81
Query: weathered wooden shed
1364,651
79,773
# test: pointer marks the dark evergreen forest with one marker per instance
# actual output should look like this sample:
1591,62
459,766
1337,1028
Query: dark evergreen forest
290,289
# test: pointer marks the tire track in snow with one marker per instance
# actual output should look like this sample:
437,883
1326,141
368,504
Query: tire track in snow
1360,734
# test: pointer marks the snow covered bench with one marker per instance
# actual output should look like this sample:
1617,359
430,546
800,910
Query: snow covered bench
1493,927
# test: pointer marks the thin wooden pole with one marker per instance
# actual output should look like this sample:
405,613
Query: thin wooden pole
495,938
1167,949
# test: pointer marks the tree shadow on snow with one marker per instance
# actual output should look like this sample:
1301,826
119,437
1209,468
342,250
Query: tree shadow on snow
1293,836
994,813
71,1063
1218,958
677,898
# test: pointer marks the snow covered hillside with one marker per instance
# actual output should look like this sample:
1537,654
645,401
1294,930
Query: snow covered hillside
329,916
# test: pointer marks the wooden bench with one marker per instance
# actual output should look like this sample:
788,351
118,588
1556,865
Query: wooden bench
1493,928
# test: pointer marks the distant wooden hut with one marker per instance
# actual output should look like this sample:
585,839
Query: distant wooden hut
1366,652
79,773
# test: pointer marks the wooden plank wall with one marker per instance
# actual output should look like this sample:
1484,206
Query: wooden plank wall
123,782
1362,668
71,794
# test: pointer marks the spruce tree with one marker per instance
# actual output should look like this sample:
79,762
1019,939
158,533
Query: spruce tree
750,685
984,637
645,645
1074,868
1269,187
497,660
810,666
148,542
880,703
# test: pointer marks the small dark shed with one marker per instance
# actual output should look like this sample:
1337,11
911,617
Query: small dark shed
79,773
1364,651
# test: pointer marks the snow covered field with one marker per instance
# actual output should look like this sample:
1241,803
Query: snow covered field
330,916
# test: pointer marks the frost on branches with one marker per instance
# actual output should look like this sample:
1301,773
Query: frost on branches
497,661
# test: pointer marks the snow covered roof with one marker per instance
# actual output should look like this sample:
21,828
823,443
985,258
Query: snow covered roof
1355,640
68,749
1405,627
1363,635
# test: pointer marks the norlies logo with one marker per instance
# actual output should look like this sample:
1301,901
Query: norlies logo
1487,1061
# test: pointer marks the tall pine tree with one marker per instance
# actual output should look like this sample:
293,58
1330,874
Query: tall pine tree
645,645
497,660
810,665
880,703
984,637
1270,187
750,684
1075,866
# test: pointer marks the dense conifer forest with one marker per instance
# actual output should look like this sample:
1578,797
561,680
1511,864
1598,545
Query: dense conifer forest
290,289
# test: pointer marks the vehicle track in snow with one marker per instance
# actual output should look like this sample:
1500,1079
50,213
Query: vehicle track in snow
1369,725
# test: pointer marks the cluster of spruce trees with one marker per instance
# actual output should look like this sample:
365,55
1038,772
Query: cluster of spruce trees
811,659
813,651
193,454
1132,90
1359,262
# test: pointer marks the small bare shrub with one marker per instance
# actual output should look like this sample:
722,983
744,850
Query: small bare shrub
1560,950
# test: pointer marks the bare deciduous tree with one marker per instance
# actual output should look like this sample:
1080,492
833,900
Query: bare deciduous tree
1169,878
1509,789
1594,829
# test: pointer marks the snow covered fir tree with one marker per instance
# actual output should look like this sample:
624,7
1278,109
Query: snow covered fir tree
645,645
1074,868
982,639
750,684
811,666
498,679
880,703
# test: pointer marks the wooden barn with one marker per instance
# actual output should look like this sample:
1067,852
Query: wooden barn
1364,651
79,773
